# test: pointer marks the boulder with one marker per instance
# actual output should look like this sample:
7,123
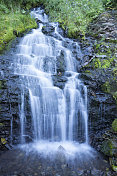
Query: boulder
48,29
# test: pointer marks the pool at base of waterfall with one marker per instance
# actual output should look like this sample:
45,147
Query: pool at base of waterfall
45,158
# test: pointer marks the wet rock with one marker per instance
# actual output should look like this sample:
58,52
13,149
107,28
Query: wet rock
48,29
61,65
38,21
61,148
105,27
10,99
59,81
60,156
96,172
101,105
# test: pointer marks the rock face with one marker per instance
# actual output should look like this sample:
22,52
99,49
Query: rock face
101,106
105,26
99,73
9,100
108,146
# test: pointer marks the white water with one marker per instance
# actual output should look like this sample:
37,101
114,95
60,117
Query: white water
59,117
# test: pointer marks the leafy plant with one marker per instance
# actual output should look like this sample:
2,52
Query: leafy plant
12,19
74,15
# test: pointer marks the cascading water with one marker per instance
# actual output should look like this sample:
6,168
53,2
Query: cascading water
59,116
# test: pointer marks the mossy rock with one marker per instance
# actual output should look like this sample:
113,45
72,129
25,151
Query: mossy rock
114,125
1,124
109,148
3,141
88,71
115,96
110,87
114,168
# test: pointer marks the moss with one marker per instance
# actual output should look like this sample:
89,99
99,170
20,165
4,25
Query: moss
3,141
97,63
115,96
114,125
107,147
87,71
110,87
114,168
107,49
103,63
115,71
106,87
14,22
1,124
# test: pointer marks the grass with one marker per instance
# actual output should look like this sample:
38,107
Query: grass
12,23
74,15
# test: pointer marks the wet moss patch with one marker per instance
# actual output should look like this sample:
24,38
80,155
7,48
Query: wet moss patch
114,125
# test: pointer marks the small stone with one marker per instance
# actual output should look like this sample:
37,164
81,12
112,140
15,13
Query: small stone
60,148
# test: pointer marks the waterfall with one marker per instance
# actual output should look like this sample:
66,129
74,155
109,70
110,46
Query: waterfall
57,115
22,119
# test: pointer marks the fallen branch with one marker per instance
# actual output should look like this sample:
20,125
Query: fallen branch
86,63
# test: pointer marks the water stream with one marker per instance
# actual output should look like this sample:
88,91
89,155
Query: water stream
59,116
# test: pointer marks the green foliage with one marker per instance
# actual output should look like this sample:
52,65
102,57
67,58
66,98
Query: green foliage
114,168
114,125
108,50
106,87
103,63
26,4
115,96
1,124
12,19
110,87
75,15
110,3
107,147
4,9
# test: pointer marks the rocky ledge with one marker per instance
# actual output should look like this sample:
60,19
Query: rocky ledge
99,72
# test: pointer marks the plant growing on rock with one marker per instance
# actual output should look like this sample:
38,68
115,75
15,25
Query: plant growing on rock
114,125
